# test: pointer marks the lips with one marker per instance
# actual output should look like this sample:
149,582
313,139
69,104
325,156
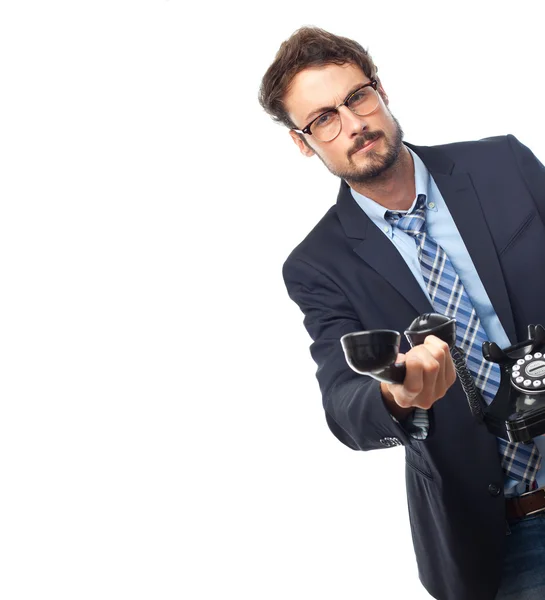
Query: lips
367,144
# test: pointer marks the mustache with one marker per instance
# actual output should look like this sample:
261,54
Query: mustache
363,139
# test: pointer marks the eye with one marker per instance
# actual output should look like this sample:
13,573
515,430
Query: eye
323,119
359,96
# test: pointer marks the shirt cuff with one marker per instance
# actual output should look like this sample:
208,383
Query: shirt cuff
417,424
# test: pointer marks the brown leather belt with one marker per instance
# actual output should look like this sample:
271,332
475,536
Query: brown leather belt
525,504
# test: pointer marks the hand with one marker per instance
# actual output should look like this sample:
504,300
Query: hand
430,373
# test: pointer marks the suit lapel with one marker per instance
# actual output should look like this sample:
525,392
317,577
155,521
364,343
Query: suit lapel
378,252
465,208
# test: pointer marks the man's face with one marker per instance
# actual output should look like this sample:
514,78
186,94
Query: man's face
367,146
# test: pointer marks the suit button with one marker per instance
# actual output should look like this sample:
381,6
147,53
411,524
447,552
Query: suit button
494,490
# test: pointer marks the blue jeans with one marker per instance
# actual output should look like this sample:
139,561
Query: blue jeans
524,565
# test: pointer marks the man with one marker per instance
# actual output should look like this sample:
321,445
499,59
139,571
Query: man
478,210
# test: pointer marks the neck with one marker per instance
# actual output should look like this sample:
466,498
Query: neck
395,188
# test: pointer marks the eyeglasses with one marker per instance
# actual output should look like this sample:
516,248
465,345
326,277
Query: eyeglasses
327,126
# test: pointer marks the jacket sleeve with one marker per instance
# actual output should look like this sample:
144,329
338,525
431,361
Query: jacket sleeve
355,411
532,171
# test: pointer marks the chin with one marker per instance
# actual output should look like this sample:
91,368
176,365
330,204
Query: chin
368,173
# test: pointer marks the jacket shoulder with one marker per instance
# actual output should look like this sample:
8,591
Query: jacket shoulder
468,151
482,144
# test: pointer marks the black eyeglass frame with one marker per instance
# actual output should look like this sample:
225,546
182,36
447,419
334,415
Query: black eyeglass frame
373,83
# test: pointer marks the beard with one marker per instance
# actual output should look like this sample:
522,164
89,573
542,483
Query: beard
377,166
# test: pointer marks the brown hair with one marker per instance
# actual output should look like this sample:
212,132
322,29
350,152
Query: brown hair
307,47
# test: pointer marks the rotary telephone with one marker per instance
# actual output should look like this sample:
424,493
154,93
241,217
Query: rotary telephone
517,412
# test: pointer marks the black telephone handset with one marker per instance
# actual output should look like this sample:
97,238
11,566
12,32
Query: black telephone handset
517,412
374,352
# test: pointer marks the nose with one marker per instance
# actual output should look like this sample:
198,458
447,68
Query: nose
352,124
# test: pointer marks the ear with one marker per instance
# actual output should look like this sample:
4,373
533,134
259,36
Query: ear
300,143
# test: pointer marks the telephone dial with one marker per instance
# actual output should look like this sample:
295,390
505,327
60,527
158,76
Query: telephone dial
517,412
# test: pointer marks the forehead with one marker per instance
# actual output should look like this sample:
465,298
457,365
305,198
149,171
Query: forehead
320,86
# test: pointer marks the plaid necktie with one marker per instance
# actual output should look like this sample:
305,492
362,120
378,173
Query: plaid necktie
448,296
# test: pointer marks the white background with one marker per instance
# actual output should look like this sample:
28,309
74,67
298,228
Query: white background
161,429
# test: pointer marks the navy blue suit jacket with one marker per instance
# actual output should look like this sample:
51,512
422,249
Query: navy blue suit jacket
347,276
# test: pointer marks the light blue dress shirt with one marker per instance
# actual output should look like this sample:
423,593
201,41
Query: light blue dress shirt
442,228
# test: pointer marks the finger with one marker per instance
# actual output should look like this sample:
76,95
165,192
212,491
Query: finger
441,351
426,377
414,378
450,372
402,396
396,389
400,358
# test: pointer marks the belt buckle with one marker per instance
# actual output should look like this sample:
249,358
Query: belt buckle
534,512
